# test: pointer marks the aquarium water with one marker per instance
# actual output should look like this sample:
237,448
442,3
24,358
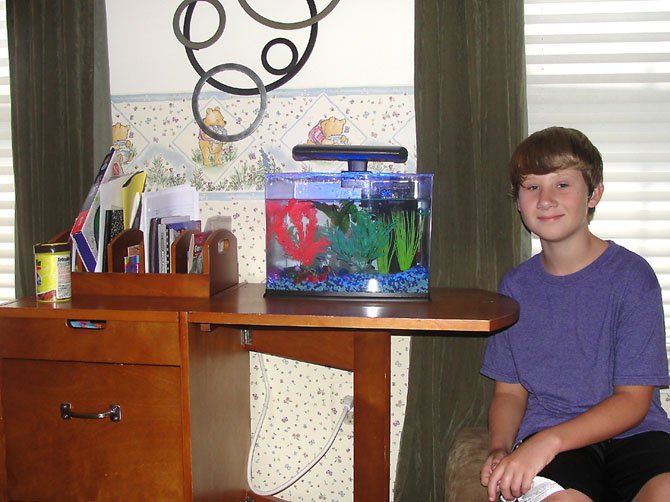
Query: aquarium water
348,234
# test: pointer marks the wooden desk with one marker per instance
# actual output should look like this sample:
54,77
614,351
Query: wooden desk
353,335
205,414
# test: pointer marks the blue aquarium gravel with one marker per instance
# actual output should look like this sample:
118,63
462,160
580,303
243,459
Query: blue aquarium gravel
414,280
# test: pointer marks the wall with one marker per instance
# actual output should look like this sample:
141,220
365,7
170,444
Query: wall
358,79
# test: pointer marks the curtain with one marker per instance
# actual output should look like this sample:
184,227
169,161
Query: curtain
470,108
61,116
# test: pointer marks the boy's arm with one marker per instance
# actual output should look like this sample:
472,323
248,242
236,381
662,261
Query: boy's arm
624,409
505,413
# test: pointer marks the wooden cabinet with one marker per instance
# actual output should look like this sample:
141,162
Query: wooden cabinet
91,405
136,454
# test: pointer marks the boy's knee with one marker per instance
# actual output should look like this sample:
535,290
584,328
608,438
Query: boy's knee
657,488
567,496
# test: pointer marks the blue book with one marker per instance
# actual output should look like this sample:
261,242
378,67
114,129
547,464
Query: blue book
84,229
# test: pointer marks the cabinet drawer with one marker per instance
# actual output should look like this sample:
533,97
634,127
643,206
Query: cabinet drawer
138,457
116,341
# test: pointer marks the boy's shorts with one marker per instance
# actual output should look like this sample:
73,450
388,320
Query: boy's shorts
613,470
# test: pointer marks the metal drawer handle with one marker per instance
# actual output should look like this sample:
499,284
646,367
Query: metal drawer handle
114,413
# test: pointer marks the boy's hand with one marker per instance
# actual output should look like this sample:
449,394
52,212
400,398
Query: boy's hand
490,464
513,475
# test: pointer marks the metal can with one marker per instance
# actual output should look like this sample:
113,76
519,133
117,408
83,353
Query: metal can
53,272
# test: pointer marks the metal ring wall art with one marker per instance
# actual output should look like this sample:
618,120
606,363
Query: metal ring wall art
259,116
261,89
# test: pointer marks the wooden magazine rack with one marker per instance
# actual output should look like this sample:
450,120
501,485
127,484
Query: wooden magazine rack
219,268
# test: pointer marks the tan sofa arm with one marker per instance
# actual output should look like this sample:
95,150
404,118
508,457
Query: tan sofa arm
467,454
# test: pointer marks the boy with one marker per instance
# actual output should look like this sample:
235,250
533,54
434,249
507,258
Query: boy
576,412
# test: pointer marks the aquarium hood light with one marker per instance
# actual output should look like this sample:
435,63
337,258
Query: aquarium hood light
356,156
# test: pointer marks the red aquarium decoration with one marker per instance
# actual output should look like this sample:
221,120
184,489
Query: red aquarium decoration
302,245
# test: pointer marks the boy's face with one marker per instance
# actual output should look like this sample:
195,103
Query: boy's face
555,206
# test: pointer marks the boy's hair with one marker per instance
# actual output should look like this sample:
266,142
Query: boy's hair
554,149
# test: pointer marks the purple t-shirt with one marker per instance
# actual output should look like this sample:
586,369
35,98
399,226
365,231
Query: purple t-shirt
580,335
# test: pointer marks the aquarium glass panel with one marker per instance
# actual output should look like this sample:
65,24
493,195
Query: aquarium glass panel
348,234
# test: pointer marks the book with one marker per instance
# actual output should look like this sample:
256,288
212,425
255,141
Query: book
166,231
162,232
152,244
113,227
83,230
112,192
180,200
194,258
131,262
162,248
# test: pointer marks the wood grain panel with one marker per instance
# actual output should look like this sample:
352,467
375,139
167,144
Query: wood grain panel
220,429
117,341
465,310
48,458
328,348
372,412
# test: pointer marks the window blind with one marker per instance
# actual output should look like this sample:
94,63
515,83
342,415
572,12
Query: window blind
603,67
6,169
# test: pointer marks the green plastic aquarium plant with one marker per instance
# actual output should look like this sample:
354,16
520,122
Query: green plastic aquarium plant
341,215
386,250
362,243
408,231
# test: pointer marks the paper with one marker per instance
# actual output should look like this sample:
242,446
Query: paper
181,200
132,191
540,489
133,211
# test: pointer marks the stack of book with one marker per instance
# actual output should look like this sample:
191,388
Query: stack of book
163,232
111,206
117,203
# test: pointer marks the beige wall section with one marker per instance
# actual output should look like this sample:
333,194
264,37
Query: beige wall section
360,45
366,43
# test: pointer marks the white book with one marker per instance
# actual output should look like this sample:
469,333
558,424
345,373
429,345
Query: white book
174,201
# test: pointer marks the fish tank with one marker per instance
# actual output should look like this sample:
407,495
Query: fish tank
348,234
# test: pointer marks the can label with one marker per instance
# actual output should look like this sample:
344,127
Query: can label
53,272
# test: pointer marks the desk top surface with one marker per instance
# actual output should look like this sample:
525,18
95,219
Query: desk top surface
449,309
